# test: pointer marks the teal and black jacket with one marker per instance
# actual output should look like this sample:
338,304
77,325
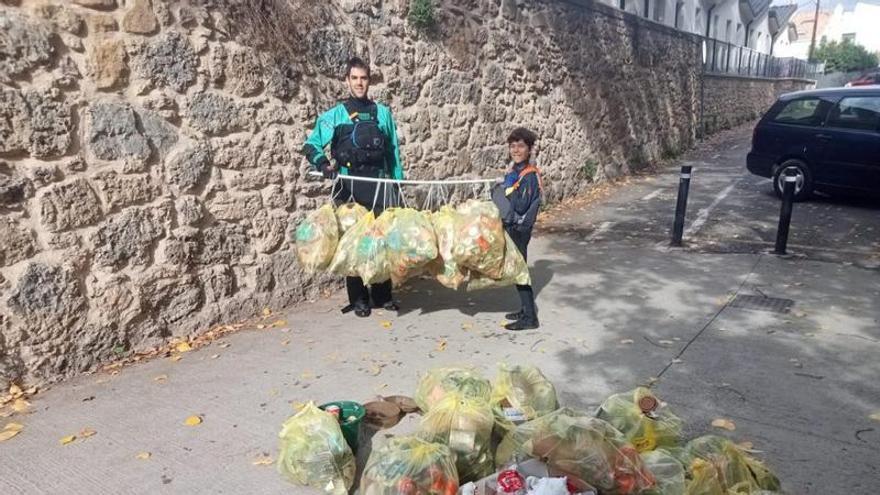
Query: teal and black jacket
325,127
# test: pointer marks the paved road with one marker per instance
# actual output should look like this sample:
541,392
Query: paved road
618,309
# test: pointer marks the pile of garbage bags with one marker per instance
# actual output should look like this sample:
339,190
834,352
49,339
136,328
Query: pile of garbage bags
512,437
465,244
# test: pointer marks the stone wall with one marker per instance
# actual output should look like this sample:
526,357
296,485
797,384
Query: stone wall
149,166
732,100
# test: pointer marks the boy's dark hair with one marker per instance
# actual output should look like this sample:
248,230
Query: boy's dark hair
356,63
524,135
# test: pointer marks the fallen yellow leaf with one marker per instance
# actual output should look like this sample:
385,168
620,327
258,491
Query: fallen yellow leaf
307,375
161,378
7,434
267,311
285,342
87,432
215,356
386,324
441,346
466,326
20,405
263,460
280,323
13,427
183,347
176,358
15,391
193,421
875,416
143,456
725,424
66,440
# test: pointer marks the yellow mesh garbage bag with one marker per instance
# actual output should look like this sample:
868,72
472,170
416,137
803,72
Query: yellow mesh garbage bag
643,419
521,393
447,271
362,252
514,271
583,448
479,240
314,453
668,471
735,471
410,465
465,425
316,239
410,242
348,214
439,382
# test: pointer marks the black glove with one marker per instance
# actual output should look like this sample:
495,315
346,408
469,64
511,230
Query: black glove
327,169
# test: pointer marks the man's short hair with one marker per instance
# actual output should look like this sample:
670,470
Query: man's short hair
524,135
356,63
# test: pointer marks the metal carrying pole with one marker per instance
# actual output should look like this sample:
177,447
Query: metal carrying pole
684,183
790,179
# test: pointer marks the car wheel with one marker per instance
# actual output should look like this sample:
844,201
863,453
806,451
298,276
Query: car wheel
803,186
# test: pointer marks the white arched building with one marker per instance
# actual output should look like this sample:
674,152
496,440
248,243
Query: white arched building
748,23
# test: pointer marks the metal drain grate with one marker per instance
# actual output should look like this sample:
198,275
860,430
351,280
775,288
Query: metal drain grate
761,303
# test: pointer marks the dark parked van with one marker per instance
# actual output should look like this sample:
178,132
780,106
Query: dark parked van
830,138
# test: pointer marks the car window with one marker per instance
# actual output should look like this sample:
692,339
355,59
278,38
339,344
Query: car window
856,112
806,111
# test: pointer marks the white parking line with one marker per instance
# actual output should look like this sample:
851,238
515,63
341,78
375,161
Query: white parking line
601,229
703,214
652,195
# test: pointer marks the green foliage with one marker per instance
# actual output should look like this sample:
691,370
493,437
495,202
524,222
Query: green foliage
845,57
588,169
421,13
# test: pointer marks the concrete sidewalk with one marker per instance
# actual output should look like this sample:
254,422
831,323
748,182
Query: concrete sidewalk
618,309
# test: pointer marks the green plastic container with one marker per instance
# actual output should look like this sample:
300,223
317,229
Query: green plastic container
350,429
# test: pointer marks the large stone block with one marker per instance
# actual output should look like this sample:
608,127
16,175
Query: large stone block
46,291
69,205
51,126
140,19
15,122
113,133
169,295
282,80
18,242
231,207
108,63
113,300
244,72
167,60
223,244
129,238
24,44
120,190
188,169
268,230
215,114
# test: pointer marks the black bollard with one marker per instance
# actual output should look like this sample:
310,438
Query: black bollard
785,214
684,184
